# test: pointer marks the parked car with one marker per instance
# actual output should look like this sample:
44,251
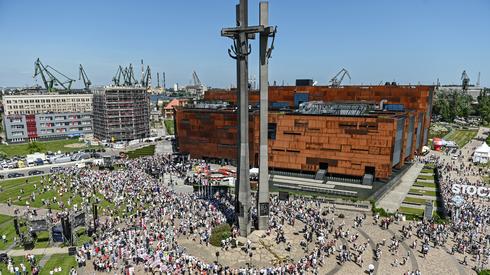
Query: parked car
35,172
62,159
14,175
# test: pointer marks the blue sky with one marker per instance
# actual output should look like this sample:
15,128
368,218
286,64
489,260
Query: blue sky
406,41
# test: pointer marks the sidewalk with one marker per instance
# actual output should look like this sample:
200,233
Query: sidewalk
392,201
9,211
38,251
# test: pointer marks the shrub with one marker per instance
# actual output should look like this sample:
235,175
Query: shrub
341,216
219,233
379,211
440,219
412,217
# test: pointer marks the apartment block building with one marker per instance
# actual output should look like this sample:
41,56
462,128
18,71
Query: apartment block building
40,103
42,116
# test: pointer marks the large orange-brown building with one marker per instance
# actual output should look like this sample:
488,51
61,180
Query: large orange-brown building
368,130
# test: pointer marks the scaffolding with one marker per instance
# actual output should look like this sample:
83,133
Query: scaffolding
121,113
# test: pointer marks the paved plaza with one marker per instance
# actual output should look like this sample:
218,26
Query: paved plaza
168,227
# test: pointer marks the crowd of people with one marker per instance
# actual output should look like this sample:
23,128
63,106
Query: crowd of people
469,225
142,219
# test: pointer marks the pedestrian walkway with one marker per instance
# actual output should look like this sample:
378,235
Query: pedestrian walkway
394,198
38,251
44,260
10,210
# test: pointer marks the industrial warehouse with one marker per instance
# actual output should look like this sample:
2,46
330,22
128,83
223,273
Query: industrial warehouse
358,132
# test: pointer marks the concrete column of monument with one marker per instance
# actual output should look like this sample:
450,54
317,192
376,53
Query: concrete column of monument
263,195
244,169
240,51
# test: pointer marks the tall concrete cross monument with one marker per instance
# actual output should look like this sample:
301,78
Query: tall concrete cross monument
240,51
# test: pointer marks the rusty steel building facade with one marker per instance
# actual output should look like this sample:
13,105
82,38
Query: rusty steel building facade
121,113
347,145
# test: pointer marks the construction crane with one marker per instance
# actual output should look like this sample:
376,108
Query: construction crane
130,80
336,81
124,76
146,77
66,84
116,80
82,75
195,79
39,69
51,82
465,81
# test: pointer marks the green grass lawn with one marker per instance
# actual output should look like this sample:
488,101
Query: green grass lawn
12,189
17,261
169,125
141,152
7,229
4,219
423,192
424,184
423,177
427,171
64,261
412,211
416,191
415,200
461,137
82,237
53,146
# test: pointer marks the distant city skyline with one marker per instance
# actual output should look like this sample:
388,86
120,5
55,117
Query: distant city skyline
376,41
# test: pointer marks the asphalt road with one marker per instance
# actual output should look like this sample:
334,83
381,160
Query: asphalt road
45,168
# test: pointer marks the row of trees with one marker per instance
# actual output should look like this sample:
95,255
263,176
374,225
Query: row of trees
452,104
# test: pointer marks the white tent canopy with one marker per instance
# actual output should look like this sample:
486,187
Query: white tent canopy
254,171
482,153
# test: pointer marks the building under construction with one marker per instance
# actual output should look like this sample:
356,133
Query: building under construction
121,113
351,131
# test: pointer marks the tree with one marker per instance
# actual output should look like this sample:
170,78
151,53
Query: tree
452,104
484,108
34,147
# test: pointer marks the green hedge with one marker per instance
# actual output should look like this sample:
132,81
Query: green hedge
220,233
